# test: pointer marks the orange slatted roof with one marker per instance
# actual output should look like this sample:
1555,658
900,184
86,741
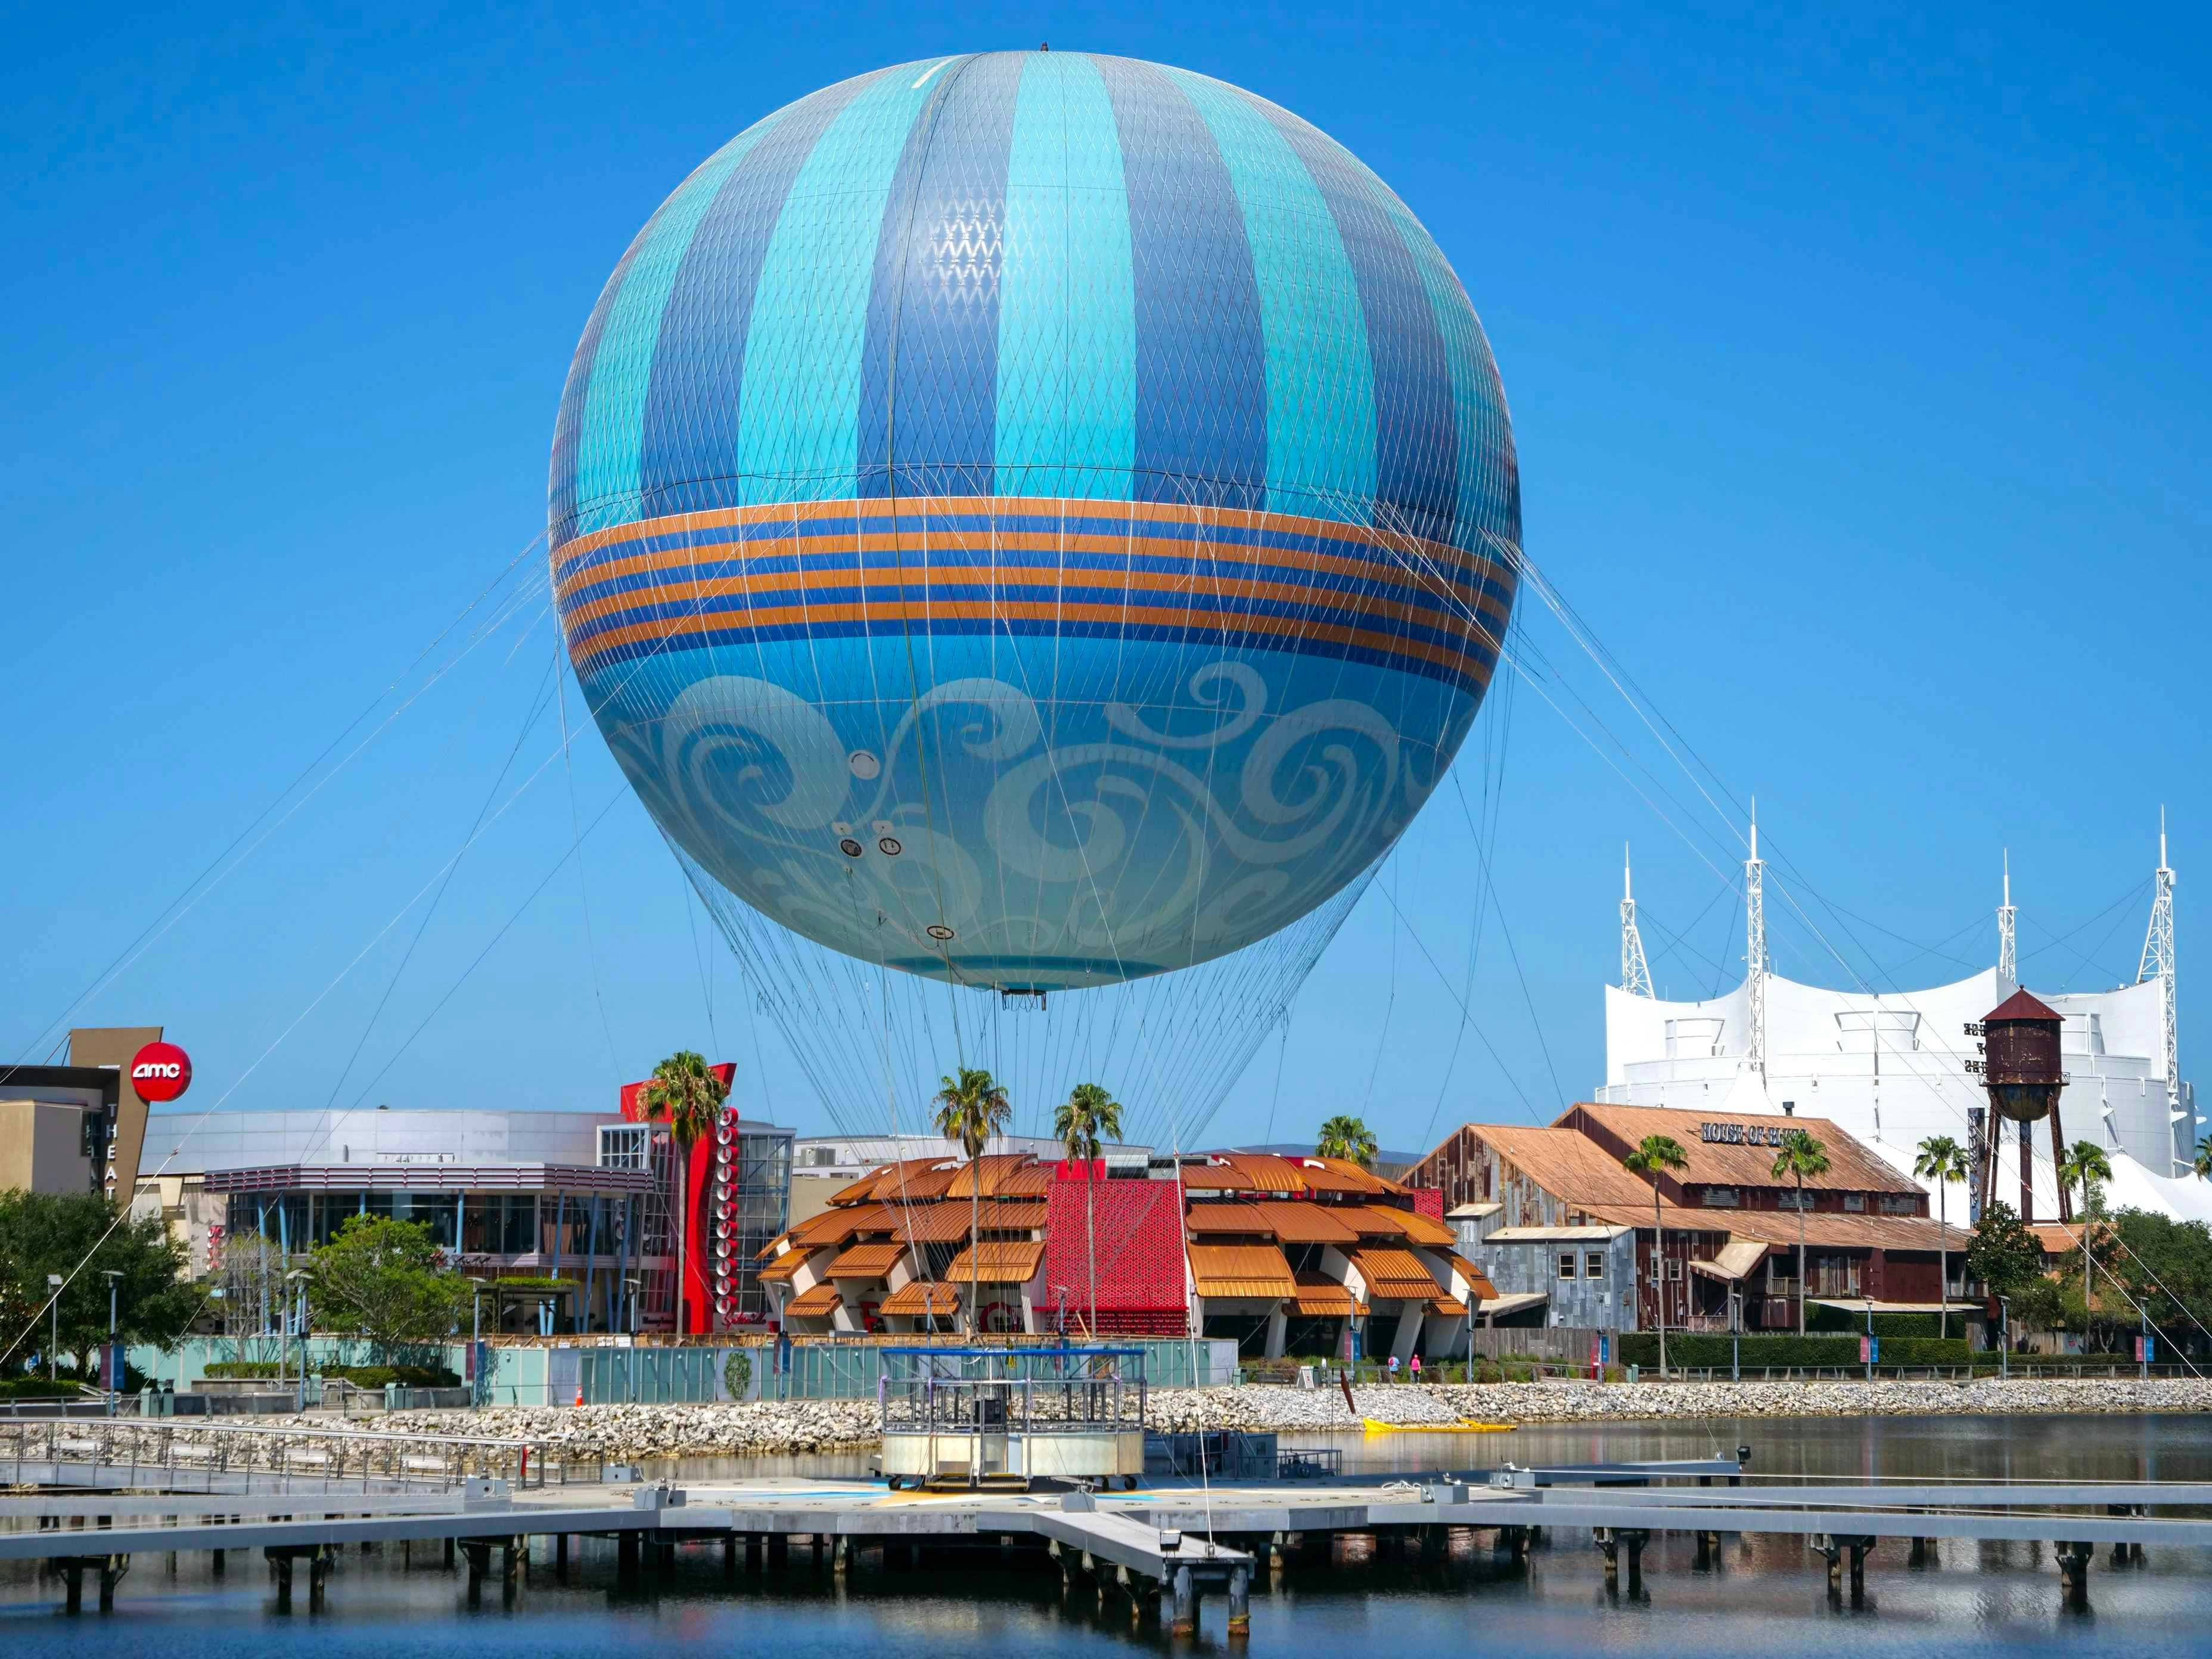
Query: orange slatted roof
1478,1280
944,1223
991,1169
905,1181
1394,1275
1217,1217
1445,1305
836,1226
1321,1297
1031,1181
916,1298
996,1263
1380,1221
814,1304
1296,1222
867,1261
785,1267
1242,1270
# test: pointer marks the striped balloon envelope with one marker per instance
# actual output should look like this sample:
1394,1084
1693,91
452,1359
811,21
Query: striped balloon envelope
1033,519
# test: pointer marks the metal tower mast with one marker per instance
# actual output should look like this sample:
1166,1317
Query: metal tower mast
1635,973
1754,946
2158,963
2007,951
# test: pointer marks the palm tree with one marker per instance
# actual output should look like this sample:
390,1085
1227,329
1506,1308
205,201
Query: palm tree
1656,1155
2203,1164
1800,1155
684,1091
2086,1165
1942,1160
1088,1116
1347,1138
971,1107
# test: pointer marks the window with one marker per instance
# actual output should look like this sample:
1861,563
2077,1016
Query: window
1566,1264
1722,1198
624,1145
1594,1264
1675,1267
1899,1204
1790,1199
1855,1200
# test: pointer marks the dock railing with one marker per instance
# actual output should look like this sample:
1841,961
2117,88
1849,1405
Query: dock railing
166,1451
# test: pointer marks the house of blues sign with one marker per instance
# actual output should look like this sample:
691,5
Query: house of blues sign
1744,1134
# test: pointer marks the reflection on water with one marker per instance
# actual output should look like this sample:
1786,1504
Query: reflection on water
1761,1595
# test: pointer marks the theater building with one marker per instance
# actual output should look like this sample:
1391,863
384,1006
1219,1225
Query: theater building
1542,1210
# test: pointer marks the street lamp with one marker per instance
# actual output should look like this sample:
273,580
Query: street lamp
114,1358
2004,1339
298,1279
476,1341
1736,1334
54,1332
1869,1340
632,1285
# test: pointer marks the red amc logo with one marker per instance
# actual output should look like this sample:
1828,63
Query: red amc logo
160,1071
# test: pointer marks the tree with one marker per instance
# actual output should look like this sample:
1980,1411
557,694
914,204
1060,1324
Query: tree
387,1281
2204,1163
685,1093
1347,1138
68,1233
971,1107
1801,1154
1088,1116
1942,1160
2164,1267
2004,1255
2085,1165
1656,1155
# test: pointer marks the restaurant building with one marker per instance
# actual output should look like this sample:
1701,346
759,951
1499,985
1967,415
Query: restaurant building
1570,1236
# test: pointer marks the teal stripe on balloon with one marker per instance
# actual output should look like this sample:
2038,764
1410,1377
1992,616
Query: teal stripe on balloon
612,443
798,409
1321,378
1489,484
1068,294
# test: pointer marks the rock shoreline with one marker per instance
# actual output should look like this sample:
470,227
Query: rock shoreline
790,1428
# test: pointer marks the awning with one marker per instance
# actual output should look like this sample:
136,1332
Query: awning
817,1303
867,1261
1737,1257
1302,1221
1260,1271
1321,1298
785,1267
1498,1307
1219,1216
947,1222
1394,1275
917,1297
1008,1263
1477,1281
1451,1306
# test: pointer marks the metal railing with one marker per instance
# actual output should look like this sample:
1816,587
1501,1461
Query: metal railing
160,1450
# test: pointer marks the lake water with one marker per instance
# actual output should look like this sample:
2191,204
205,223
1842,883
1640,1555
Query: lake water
1766,1596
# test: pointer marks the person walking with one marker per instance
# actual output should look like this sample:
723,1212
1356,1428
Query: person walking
1417,1368
1394,1367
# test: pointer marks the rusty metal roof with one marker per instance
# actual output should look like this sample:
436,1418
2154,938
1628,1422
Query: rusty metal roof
836,1226
1216,1216
947,1222
1242,1270
1322,1298
785,1267
2021,1005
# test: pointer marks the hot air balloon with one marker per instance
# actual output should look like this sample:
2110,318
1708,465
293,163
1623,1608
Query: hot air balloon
1033,521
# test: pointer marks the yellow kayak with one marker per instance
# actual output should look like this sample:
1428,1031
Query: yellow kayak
1463,1426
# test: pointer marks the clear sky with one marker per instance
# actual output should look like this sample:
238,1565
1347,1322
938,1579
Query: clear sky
1858,363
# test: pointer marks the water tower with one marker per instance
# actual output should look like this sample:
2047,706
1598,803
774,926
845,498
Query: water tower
2020,1069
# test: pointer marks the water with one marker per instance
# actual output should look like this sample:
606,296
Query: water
1765,1597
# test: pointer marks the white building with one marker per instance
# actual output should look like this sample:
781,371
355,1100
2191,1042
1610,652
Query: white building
1896,1067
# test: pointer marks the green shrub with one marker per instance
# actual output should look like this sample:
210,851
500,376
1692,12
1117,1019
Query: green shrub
737,1372
1842,1321
361,1377
1700,1351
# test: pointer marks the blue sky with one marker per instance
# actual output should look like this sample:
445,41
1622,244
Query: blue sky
1857,364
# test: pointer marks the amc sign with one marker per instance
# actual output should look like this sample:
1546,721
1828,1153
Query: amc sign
160,1071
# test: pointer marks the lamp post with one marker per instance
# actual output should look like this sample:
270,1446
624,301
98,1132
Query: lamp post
114,1359
1735,1335
476,1341
1869,1340
298,1279
54,1325
2004,1339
